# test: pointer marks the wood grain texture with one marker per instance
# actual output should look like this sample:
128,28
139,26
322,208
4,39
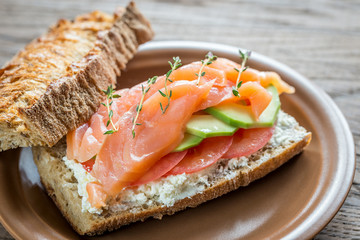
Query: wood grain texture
318,38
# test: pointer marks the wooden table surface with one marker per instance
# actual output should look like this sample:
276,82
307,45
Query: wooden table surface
318,38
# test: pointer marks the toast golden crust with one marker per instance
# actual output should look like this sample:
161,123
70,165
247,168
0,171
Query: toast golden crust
55,83
55,175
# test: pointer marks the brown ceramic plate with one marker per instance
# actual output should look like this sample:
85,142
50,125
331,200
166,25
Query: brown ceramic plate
295,201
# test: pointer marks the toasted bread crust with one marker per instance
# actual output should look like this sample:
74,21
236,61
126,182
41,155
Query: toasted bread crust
56,83
92,224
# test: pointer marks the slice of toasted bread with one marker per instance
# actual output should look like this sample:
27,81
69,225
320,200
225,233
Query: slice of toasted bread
167,195
56,82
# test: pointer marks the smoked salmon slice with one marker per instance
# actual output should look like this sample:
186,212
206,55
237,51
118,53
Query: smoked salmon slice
251,92
73,141
272,78
258,97
97,196
92,138
85,142
252,75
228,66
189,72
123,159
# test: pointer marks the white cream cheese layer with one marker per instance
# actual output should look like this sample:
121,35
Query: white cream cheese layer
83,178
166,191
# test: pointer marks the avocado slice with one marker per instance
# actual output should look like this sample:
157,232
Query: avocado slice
208,126
241,116
188,141
269,115
226,119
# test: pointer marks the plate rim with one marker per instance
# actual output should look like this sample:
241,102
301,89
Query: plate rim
315,225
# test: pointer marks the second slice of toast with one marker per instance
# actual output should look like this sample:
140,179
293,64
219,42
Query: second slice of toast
56,82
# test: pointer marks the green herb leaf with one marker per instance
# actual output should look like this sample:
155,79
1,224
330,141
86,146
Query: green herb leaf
161,107
109,96
153,80
168,74
166,107
139,106
244,56
209,58
176,64
239,84
171,65
162,94
235,92
109,132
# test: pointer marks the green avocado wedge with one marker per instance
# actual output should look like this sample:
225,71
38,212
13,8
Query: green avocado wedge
241,116
224,120
205,126
188,141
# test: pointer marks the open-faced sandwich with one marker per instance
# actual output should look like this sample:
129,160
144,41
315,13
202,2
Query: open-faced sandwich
171,142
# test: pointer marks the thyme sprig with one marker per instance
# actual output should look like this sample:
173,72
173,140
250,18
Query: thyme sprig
209,58
167,94
109,101
149,82
244,56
